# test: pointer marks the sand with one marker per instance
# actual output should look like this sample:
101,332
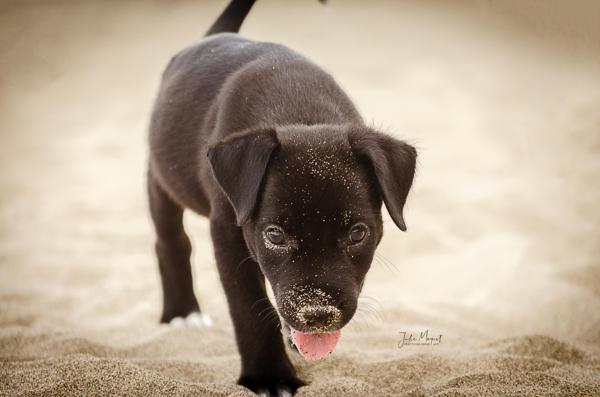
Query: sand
502,252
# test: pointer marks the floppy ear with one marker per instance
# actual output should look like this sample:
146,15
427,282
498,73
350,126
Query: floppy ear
239,163
393,163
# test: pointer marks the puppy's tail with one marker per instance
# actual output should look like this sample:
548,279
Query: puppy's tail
232,17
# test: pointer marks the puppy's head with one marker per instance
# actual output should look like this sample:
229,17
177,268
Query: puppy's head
309,202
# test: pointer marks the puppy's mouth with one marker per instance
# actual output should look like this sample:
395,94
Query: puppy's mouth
311,320
318,331
315,345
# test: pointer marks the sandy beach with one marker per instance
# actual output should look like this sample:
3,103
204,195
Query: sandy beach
502,253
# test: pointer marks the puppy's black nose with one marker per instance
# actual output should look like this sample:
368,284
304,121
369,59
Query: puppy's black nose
319,316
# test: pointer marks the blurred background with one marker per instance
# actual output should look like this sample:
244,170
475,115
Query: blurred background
500,97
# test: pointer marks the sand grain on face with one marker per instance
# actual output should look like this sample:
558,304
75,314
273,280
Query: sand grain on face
502,253
298,298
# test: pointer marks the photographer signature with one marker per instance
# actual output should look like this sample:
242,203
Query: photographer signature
419,339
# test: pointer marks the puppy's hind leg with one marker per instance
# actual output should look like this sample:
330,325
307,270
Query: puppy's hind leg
173,250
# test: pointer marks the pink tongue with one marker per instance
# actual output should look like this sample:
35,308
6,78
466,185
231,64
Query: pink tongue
315,346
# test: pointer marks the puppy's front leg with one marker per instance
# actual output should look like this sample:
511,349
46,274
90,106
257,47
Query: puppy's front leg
266,368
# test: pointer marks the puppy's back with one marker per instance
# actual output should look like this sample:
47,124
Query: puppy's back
185,109
224,84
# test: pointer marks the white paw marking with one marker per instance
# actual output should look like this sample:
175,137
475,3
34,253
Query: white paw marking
199,320
177,322
194,320
280,393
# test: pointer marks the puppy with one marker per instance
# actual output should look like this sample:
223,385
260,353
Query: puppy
266,145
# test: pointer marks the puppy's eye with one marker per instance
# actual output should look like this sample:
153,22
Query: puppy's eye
358,233
275,235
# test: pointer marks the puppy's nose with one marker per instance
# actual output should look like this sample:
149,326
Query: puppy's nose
319,316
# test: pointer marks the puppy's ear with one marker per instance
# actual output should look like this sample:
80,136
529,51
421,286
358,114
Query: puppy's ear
239,163
393,163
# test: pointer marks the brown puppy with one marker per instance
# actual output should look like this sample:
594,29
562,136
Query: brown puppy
264,143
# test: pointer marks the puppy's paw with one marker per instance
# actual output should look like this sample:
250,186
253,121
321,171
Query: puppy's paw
194,320
265,388
280,392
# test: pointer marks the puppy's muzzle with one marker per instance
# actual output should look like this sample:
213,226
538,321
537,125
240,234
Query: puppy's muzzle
319,318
